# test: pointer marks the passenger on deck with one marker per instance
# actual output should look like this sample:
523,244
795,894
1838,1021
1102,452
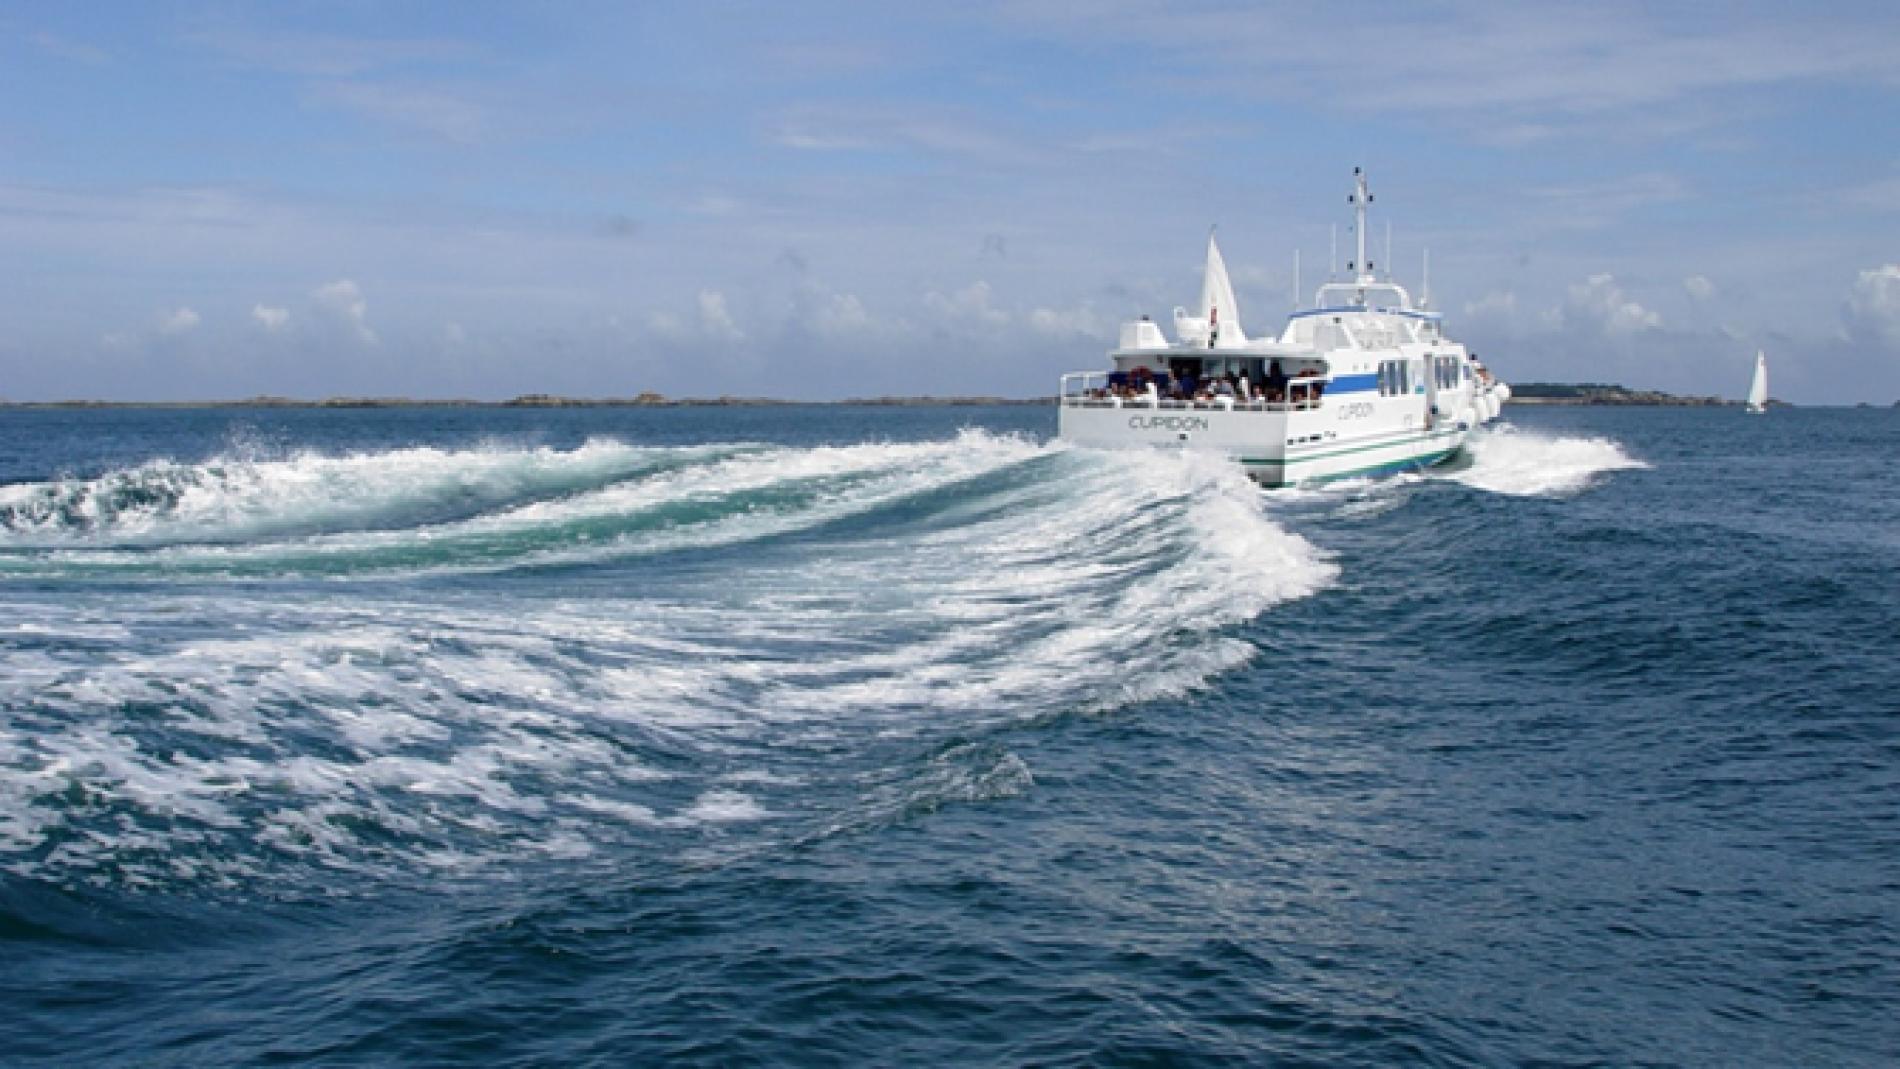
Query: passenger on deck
1276,379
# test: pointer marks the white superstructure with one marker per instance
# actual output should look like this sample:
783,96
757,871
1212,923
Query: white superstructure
1363,382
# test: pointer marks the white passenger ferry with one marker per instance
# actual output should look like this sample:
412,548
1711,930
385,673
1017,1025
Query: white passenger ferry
1364,382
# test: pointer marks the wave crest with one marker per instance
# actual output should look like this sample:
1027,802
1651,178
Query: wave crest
1508,460
231,499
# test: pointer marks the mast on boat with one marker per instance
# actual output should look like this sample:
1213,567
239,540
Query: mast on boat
1359,198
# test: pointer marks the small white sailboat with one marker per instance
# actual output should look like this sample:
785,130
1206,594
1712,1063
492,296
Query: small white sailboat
1758,389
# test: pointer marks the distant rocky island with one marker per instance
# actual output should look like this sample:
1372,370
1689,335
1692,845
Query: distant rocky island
1604,393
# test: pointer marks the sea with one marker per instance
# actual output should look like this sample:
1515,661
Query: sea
832,735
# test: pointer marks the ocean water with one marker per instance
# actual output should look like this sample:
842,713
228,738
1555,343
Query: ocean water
906,736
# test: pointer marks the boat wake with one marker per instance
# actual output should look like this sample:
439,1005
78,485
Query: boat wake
238,498
1504,459
1501,459
437,661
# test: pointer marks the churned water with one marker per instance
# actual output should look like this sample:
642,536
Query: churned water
907,736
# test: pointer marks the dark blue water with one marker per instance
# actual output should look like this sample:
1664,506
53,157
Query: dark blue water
846,736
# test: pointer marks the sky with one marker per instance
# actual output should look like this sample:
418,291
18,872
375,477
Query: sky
823,200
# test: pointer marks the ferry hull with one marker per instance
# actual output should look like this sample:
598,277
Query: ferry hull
1364,382
1276,448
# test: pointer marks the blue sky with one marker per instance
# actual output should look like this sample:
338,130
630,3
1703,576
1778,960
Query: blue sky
822,200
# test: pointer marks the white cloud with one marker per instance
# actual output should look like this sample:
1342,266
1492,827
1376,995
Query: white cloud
715,320
344,300
327,55
885,128
1699,287
77,51
1497,305
1082,319
178,322
803,137
270,318
971,304
431,111
1881,195
1594,205
1518,68
843,313
1872,312
715,205
667,325
1599,304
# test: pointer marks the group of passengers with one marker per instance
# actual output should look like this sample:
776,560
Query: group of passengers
1210,389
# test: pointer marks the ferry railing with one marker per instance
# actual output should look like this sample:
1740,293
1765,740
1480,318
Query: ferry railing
1089,389
1078,385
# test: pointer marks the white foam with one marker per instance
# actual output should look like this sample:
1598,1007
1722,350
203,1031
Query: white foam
235,498
1509,460
723,807
475,729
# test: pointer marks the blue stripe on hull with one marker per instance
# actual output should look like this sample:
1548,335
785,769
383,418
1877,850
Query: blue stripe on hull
1351,384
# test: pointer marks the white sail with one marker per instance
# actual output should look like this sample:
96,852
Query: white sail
1218,306
1215,323
1758,389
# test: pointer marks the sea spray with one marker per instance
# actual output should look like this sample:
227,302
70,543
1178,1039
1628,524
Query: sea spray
1506,459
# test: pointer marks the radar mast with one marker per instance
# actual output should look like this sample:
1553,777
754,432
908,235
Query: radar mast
1359,198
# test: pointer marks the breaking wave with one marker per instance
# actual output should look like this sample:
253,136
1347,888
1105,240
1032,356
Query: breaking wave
1505,459
671,649
236,498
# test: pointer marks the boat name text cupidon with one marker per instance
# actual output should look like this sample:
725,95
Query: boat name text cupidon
1168,423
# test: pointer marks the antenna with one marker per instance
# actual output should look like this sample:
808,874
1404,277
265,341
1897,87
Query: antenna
1332,258
1296,279
1388,250
1425,300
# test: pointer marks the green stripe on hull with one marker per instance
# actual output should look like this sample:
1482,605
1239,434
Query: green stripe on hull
1279,462
1424,461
